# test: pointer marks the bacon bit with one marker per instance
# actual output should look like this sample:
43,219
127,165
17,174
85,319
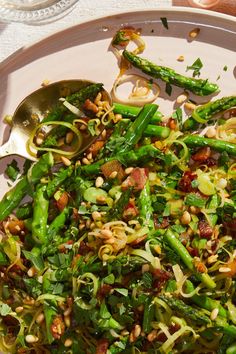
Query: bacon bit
172,124
103,291
205,230
15,226
202,154
111,166
130,211
138,240
160,278
62,201
102,346
90,106
161,225
185,183
210,162
84,249
96,147
230,225
193,251
75,214
57,327
136,179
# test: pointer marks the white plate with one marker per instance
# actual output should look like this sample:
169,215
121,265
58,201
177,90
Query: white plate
83,51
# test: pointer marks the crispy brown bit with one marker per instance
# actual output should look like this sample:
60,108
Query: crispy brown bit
62,201
90,106
102,346
172,124
200,267
15,226
136,179
185,183
112,166
205,230
202,154
96,147
57,327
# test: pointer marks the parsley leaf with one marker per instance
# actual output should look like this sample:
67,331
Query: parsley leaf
196,67
5,309
178,115
164,22
225,68
12,170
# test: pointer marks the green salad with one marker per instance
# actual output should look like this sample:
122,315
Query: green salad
129,247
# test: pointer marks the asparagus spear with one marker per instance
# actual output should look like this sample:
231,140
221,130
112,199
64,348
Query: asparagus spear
218,145
190,313
77,99
157,131
179,248
145,206
40,214
203,113
132,112
136,129
58,223
121,203
58,179
204,301
13,198
198,86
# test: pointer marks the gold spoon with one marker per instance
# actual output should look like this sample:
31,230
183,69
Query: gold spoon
31,111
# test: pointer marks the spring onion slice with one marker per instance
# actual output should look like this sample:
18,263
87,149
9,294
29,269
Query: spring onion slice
70,154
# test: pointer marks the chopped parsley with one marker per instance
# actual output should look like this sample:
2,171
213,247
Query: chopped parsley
196,67
178,115
164,22
12,170
225,68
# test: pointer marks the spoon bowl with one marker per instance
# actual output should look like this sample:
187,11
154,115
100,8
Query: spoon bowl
32,110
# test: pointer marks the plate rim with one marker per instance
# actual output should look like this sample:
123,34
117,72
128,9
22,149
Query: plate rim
173,9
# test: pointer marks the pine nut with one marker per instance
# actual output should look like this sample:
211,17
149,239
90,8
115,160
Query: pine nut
99,182
224,269
65,161
100,199
145,268
152,335
39,141
104,133
19,309
85,161
117,117
194,33
182,98
128,170
40,318
96,215
106,233
222,183
30,338
89,156
137,331
98,98
194,210
211,132
68,342
190,106
83,127
69,137
113,174
180,58
185,218
67,321
78,163
31,272
214,314
212,259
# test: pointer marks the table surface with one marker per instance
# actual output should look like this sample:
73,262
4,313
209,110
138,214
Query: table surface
16,35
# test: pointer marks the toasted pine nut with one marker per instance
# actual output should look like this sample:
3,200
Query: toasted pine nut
152,335
189,105
68,342
211,132
19,309
104,133
145,268
100,199
40,318
39,141
182,98
99,182
214,314
69,137
30,338
180,58
194,33
31,272
83,127
212,259
128,170
137,331
194,210
113,174
224,269
185,218
98,98
117,117
89,156
85,161
65,161
67,321
96,215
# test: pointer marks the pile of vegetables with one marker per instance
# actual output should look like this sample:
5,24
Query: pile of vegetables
129,247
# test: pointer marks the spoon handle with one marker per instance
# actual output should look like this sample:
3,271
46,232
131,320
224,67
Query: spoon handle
7,149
